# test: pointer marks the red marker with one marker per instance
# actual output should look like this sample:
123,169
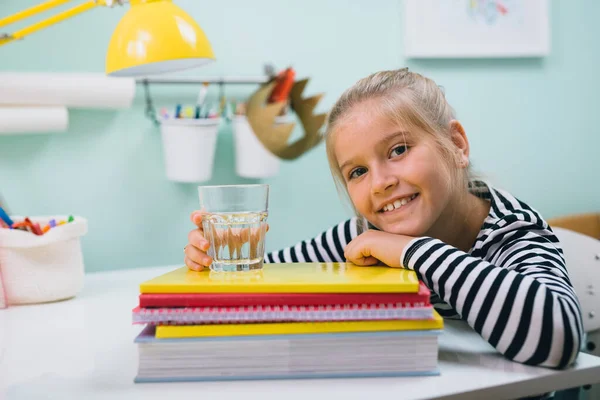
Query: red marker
283,86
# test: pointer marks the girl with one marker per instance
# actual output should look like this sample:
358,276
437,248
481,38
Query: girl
397,151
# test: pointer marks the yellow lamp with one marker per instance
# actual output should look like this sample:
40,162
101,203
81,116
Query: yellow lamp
153,37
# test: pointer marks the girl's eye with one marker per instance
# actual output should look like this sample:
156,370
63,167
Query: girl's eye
398,150
355,173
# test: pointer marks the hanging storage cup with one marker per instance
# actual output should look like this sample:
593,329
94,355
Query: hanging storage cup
189,147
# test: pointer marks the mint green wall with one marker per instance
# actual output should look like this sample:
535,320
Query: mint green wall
533,124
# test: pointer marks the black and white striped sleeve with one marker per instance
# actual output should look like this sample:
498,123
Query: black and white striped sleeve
521,301
326,247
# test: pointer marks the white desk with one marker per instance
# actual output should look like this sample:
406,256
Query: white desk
83,349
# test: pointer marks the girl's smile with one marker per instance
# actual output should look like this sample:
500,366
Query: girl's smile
400,203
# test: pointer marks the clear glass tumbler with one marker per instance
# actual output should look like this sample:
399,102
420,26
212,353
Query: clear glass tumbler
235,225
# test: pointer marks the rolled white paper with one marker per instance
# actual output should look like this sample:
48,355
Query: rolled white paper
33,119
77,90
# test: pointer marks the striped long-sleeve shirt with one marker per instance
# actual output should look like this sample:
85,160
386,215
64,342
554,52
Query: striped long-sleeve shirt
512,287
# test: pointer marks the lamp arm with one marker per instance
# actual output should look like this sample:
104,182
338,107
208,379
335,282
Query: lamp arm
7,38
31,11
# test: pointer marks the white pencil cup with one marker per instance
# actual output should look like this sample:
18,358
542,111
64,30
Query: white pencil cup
189,147
45,268
252,158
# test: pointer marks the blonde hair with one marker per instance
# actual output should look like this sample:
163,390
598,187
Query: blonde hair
410,100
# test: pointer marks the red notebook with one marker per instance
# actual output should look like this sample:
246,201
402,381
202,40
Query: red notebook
154,300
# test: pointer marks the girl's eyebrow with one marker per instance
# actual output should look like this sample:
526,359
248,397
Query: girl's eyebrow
386,138
394,135
345,164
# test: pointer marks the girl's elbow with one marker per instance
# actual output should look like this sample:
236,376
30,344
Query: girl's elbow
566,359
560,353
569,346
563,360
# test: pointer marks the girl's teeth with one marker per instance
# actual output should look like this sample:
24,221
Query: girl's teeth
398,203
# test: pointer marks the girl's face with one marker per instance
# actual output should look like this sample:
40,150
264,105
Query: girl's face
396,177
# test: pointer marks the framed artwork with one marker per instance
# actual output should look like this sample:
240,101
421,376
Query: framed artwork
476,28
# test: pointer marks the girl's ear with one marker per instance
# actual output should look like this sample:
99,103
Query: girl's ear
459,138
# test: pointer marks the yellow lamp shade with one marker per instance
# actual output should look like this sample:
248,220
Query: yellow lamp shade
154,37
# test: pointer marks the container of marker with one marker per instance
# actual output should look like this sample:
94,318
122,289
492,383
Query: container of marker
43,268
189,146
252,158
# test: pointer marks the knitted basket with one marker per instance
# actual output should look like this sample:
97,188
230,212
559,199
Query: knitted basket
39,269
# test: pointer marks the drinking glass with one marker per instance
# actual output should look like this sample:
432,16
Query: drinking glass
235,225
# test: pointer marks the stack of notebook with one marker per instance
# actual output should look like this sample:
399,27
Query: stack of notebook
299,320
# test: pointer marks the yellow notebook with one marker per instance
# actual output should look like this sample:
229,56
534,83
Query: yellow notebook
282,328
288,278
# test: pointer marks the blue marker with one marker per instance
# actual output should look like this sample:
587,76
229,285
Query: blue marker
52,223
5,217
178,111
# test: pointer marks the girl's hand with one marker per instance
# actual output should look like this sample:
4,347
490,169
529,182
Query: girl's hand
376,247
195,251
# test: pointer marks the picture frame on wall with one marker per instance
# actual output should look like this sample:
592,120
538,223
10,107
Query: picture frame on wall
476,28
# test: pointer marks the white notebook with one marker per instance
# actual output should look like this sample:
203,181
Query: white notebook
338,355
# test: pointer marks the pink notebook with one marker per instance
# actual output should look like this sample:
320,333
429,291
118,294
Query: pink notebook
212,315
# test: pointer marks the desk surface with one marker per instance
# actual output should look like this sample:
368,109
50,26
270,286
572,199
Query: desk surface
83,349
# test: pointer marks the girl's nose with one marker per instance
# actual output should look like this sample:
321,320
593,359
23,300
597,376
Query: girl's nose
382,181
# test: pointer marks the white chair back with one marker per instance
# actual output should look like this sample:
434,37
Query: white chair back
582,255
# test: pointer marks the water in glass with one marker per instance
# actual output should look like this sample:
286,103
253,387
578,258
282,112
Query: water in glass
237,240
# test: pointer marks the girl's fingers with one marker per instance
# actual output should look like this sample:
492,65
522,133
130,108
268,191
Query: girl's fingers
193,265
197,256
197,239
365,261
196,218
